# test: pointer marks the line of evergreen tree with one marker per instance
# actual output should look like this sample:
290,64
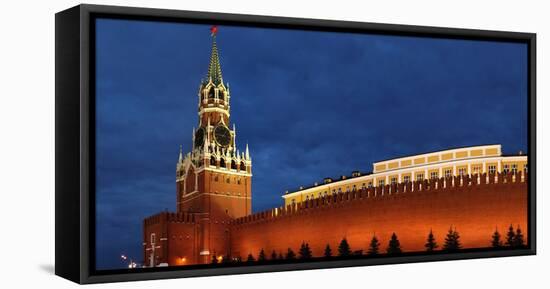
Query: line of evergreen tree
514,239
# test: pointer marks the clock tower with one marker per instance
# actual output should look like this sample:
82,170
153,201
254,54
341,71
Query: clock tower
214,178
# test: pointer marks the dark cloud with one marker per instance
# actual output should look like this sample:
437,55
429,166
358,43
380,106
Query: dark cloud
310,105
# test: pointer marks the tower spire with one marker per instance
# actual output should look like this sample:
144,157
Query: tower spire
180,158
214,68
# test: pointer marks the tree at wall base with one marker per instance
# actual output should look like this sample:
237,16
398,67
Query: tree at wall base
290,255
496,241
510,237
261,256
344,249
518,239
305,251
431,244
452,241
273,255
328,252
250,259
394,246
374,247
281,257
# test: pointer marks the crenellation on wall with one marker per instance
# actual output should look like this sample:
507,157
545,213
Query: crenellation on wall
444,185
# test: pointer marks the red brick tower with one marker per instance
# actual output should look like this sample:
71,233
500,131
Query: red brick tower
213,180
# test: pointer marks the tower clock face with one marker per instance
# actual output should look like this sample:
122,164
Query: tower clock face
222,135
199,137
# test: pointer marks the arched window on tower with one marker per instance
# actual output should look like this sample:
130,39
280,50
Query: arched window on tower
221,95
222,163
211,93
212,161
243,167
233,165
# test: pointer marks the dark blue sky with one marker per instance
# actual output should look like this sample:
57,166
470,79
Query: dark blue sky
310,105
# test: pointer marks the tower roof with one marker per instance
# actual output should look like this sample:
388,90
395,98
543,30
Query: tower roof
214,68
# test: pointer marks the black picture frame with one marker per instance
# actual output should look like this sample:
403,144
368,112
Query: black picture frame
75,131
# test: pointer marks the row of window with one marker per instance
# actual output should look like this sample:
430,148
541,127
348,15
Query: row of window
492,169
242,166
228,180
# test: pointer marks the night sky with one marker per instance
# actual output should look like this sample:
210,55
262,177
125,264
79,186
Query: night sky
309,104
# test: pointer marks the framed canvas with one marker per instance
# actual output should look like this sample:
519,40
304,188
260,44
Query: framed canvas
195,144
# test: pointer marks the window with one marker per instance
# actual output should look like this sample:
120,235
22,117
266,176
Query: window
370,185
406,179
462,172
525,167
213,161
222,163
492,169
419,177
506,169
354,188
514,168
434,175
448,173
476,169
339,190
220,95
393,180
153,238
243,167
293,201
233,165
381,183
211,93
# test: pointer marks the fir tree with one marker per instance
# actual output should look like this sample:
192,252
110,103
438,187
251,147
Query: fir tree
452,241
510,236
328,251
261,256
281,256
496,242
431,245
374,246
290,255
305,251
273,255
394,247
250,258
343,248
518,239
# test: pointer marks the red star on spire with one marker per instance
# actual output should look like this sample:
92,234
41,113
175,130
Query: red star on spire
213,30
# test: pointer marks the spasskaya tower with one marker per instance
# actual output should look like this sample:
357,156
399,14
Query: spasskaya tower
214,178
